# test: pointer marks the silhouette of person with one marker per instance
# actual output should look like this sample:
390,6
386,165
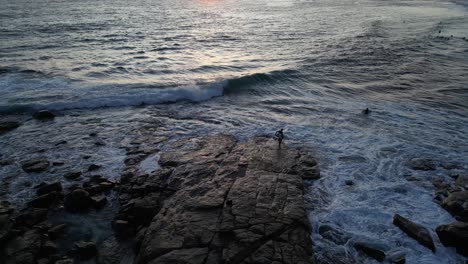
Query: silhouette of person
279,134
366,111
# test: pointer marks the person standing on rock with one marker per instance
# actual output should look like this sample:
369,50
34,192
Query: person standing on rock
279,135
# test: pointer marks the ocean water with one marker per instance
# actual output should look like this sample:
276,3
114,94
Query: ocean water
169,69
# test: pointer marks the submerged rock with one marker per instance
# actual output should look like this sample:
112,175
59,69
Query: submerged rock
423,164
72,175
416,231
47,188
374,250
219,201
454,235
6,126
43,115
35,165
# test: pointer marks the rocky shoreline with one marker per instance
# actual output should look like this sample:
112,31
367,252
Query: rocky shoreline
210,199
213,200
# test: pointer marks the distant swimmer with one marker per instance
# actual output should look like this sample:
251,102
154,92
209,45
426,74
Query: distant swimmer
366,111
279,135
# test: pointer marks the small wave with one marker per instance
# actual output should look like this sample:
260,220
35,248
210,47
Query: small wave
237,85
152,96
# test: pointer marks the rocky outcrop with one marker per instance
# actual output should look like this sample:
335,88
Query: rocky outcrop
35,165
423,164
454,235
215,200
43,115
416,231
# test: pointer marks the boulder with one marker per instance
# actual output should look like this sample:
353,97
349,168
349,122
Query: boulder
334,234
77,201
35,165
47,188
46,200
454,235
396,257
373,250
43,115
94,167
423,164
72,175
457,204
462,181
416,231
6,126
99,201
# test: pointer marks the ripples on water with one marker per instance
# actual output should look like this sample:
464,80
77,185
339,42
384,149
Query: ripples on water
252,66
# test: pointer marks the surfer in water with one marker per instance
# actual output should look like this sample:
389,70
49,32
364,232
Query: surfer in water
279,135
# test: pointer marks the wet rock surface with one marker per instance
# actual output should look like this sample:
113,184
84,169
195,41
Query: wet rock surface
416,231
454,235
215,200
37,165
423,164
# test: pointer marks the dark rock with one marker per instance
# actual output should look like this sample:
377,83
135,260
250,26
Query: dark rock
451,166
58,163
349,182
99,201
5,162
94,167
85,250
5,208
23,249
56,231
423,164
35,165
462,181
47,188
454,235
48,248
373,250
72,175
416,231
77,201
8,126
334,234
31,218
396,257
63,142
45,200
456,203
43,115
